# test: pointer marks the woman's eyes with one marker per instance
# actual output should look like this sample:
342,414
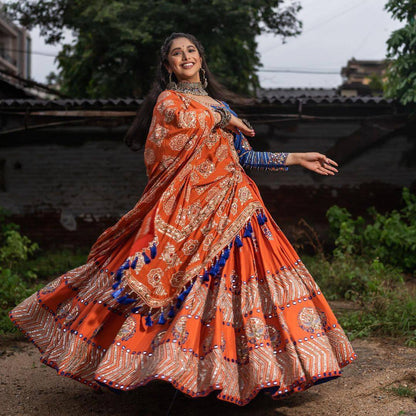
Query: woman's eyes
189,50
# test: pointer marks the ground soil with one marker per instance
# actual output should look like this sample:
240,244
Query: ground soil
28,387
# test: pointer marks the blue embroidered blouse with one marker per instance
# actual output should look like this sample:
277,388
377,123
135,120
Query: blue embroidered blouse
250,158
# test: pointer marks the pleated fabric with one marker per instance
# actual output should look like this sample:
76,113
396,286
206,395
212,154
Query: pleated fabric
260,323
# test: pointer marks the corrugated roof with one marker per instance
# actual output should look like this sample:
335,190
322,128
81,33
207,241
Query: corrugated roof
268,98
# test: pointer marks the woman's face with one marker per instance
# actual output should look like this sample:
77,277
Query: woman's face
184,60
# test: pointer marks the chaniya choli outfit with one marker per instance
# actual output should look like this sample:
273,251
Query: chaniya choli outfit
196,285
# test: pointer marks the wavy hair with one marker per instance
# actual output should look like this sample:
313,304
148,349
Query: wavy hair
136,135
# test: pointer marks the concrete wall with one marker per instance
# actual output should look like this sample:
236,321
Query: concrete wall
66,185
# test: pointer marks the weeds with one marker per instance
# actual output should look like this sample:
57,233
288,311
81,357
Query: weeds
402,390
25,268
367,266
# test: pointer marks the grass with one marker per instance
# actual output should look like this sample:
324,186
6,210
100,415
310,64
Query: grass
402,390
385,296
29,276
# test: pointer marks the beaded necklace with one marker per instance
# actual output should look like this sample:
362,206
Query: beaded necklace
195,88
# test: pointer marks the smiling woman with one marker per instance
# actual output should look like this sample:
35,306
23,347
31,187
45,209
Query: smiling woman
197,285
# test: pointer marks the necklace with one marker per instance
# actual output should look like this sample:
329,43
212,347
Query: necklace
190,88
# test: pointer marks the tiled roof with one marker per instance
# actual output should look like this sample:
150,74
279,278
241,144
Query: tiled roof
314,96
282,96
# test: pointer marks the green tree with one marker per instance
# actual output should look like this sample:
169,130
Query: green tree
401,48
117,42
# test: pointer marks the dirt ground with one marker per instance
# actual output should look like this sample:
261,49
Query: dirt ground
28,387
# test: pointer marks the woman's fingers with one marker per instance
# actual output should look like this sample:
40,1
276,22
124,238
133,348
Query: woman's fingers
236,123
332,162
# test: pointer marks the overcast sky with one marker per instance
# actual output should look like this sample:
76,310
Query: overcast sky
333,32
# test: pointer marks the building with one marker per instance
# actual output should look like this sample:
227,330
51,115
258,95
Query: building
15,48
363,77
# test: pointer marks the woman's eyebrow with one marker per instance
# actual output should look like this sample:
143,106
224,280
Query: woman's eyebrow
189,46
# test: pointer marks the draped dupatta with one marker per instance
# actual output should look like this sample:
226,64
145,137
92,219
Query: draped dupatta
198,198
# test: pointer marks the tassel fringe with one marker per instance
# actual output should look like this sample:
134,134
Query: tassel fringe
213,272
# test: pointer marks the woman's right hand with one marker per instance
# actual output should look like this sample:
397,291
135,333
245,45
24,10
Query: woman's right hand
236,124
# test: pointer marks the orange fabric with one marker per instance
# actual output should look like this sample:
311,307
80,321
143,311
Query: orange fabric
261,322
197,200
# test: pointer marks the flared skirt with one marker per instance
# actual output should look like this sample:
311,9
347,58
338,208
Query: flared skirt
261,323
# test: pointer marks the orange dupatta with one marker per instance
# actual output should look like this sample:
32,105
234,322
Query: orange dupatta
197,200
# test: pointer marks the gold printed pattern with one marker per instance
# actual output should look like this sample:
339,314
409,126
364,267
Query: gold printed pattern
311,320
149,157
178,142
187,119
154,277
206,168
177,279
169,205
244,194
190,247
158,135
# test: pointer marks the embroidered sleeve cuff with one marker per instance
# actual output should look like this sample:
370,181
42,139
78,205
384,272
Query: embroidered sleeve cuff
278,160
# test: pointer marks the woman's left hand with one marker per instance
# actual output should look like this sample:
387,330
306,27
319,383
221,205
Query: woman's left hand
316,162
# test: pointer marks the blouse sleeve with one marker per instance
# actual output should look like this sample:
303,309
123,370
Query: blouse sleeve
250,158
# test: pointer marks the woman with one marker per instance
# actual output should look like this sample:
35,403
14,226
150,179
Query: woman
196,285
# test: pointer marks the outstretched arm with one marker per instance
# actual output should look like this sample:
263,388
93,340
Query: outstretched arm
316,162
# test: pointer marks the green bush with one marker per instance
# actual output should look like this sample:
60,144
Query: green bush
15,250
367,266
391,238
25,268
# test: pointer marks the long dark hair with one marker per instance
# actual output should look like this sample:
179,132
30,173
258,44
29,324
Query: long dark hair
136,136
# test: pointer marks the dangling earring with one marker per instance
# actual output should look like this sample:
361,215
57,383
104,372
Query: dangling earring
204,79
171,84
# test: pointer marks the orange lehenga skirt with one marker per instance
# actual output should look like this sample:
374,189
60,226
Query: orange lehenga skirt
252,319
263,323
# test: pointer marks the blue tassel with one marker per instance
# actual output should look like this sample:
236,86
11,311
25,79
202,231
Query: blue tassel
206,276
134,262
117,293
178,303
136,309
247,233
162,319
249,227
148,320
215,269
264,217
119,274
125,300
116,285
238,241
153,251
226,254
171,312
188,289
182,296
221,262
126,265
260,219
146,258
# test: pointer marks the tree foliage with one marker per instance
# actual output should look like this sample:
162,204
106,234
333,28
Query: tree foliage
117,42
401,47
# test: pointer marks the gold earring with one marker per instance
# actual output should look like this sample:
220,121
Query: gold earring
171,84
204,79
